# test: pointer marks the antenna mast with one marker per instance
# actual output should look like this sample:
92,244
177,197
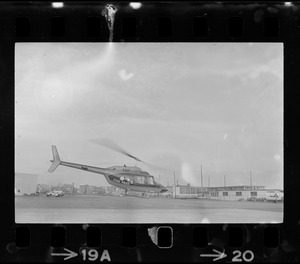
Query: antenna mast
201,178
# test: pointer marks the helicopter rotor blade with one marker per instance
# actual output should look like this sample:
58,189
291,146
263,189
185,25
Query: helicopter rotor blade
108,143
112,145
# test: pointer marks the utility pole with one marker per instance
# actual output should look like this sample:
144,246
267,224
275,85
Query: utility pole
224,180
201,179
174,185
250,180
208,180
160,183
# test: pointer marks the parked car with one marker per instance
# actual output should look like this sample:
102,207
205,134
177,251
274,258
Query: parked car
261,199
56,193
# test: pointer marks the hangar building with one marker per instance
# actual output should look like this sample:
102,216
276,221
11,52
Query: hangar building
230,193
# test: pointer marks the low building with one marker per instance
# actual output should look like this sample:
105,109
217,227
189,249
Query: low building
188,191
110,189
97,190
231,193
44,188
25,184
68,188
244,192
91,189
82,188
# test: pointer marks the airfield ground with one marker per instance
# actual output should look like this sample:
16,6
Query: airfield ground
115,209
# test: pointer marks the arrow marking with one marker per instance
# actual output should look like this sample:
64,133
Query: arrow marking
217,256
68,255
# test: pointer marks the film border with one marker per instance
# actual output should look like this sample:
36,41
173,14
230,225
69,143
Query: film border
283,21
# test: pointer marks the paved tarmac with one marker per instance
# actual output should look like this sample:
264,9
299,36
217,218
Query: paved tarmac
115,209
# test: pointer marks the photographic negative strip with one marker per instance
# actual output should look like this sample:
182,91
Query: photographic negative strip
149,132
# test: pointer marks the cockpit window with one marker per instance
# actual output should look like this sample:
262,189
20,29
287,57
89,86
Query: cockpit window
144,180
139,179
150,180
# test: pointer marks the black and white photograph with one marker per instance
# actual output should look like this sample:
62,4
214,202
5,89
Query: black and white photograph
149,132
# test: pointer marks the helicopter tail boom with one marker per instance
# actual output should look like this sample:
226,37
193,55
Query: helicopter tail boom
56,159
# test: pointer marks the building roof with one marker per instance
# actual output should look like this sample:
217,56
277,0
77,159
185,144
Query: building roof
239,188
232,186
273,190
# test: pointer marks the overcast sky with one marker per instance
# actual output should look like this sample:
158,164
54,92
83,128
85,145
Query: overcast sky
175,105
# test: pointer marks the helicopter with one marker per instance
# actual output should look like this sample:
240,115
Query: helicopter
130,178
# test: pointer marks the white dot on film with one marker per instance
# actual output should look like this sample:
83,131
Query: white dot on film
277,156
85,226
135,5
205,221
57,4
124,75
152,232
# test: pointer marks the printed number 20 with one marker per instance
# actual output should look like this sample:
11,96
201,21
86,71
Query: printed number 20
245,257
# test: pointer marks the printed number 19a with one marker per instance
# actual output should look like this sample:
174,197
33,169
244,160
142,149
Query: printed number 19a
93,254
